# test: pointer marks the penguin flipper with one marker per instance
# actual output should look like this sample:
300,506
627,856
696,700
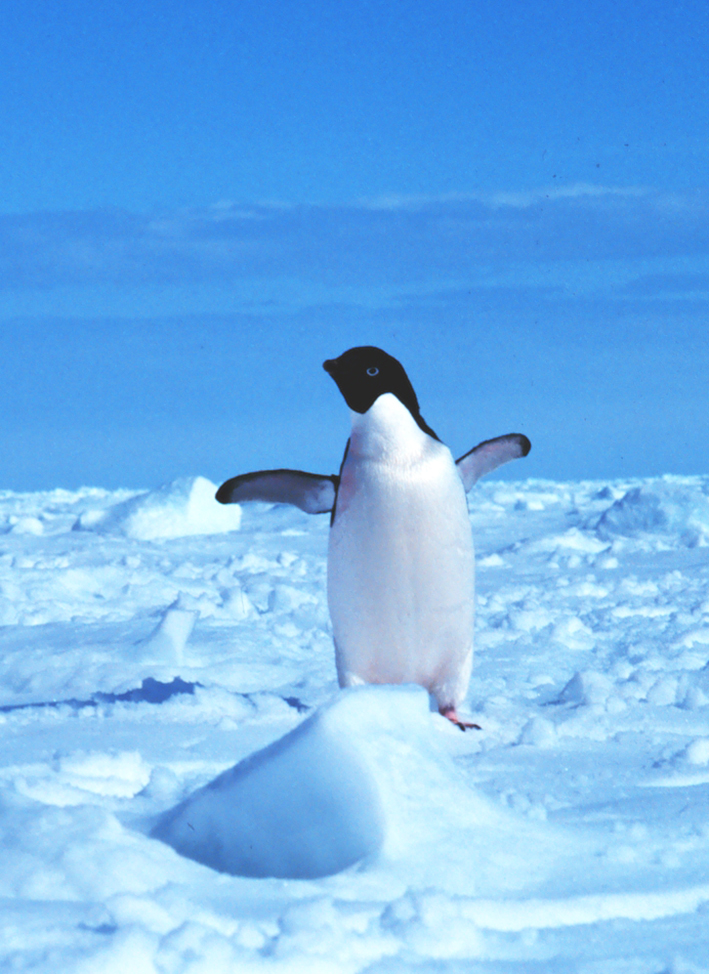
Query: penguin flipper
311,492
489,455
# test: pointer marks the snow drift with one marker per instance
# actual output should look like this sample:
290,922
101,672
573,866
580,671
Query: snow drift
183,507
366,777
676,509
308,805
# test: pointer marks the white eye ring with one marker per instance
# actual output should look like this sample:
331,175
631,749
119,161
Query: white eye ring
372,370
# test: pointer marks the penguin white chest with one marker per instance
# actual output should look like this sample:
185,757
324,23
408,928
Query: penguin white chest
401,561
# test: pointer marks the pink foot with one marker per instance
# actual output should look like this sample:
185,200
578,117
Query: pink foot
452,716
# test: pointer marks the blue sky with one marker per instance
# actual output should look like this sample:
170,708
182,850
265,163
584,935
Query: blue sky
201,202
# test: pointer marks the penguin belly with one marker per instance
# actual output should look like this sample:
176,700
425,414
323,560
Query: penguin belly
401,572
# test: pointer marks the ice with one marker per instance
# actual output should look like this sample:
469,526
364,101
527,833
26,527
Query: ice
307,805
183,507
168,642
186,682
697,751
25,525
675,507
587,689
366,777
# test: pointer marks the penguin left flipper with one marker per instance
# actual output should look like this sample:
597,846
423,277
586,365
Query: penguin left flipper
311,492
489,455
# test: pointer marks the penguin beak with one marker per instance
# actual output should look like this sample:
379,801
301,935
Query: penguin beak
330,365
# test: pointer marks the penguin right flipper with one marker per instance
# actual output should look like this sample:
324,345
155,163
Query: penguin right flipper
311,492
489,455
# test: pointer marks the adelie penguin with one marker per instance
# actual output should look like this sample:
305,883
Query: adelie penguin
401,572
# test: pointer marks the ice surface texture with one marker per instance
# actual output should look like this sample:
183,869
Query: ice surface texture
569,835
183,507
663,508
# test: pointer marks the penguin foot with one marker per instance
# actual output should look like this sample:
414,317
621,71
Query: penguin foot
450,714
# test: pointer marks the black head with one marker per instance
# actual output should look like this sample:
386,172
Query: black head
364,373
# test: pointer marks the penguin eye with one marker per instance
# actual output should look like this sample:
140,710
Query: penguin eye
372,370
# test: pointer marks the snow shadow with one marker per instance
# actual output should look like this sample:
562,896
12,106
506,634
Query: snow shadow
150,691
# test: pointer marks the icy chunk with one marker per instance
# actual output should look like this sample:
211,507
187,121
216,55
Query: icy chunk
663,692
573,633
26,525
168,641
589,688
120,773
538,732
236,603
660,507
183,507
697,752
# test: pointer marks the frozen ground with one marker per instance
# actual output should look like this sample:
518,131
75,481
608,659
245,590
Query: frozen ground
141,660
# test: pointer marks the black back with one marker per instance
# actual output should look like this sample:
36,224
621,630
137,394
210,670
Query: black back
364,373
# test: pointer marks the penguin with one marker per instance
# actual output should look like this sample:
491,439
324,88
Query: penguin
401,568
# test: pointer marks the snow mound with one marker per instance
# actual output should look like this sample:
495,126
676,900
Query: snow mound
25,525
662,507
120,773
185,506
167,643
587,689
366,777
303,807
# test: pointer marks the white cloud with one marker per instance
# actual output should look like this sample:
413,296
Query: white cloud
384,242
511,198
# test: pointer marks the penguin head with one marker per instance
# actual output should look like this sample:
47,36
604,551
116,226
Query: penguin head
364,373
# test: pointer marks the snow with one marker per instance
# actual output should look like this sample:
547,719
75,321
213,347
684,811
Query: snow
183,788
660,508
183,507
305,806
